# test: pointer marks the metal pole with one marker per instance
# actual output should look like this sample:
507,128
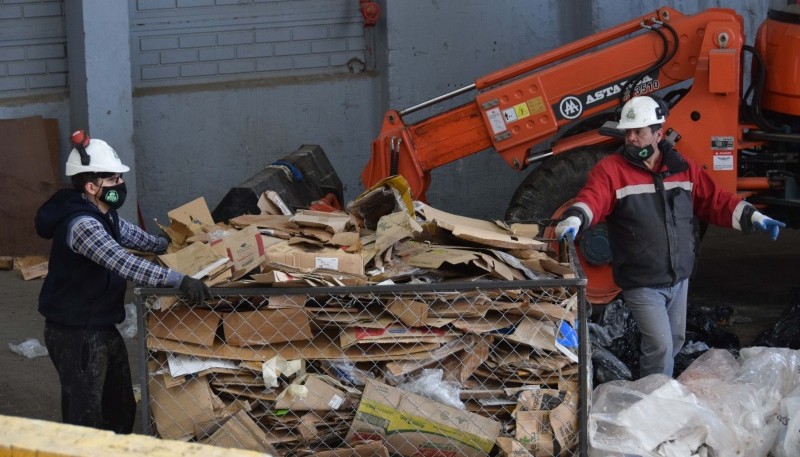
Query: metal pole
433,101
143,375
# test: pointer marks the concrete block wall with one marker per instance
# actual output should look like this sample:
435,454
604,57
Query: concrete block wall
225,87
32,46
178,42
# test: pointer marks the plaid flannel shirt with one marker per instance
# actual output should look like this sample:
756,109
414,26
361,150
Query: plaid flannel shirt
88,237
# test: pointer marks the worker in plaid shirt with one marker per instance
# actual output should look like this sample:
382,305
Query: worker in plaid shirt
83,295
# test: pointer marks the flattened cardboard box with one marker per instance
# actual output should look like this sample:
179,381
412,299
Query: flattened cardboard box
269,326
412,425
244,248
327,258
187,324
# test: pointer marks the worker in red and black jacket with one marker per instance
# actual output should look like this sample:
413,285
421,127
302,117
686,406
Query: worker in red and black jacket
651,198
83,295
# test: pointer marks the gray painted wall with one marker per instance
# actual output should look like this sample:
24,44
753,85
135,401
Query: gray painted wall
223,88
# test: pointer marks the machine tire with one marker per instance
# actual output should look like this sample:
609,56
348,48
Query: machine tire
552,184
544,195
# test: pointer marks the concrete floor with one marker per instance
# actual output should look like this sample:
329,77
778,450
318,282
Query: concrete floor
749,272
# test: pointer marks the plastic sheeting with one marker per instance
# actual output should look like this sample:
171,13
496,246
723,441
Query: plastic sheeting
720,406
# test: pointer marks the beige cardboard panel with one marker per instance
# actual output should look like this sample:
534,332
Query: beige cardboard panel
192,216
191,259
450,221
177,410
412,313
27,179
317,395
394,334
287,301
436,256
319,348
191,325
498,240
345,239
332,222
327,258
241,432
246,328
534,333
33,266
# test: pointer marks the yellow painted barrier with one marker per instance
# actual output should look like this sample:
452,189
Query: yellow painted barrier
20,437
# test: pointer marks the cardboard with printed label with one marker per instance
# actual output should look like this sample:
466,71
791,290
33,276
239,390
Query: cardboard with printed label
245,249
412,425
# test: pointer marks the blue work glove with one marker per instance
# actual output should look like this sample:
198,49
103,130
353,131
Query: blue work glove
765,224
568,227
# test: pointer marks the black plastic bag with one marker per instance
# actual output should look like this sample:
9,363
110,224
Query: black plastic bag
786,331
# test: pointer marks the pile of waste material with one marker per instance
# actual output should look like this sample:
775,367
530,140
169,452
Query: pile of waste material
294,356
719,406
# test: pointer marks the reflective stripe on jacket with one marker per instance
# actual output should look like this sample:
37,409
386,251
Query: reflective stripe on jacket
652,216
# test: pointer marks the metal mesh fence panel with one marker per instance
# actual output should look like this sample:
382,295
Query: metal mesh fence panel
439,370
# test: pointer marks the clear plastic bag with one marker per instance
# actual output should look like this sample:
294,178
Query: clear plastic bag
128,327
30,348
429,384
787,421
652,415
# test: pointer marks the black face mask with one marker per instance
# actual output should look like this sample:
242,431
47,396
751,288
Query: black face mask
638,154
114,196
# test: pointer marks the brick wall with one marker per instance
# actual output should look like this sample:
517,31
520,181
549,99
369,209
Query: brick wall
176,42
32,46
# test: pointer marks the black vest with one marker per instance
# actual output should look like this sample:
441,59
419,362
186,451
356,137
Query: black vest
78,292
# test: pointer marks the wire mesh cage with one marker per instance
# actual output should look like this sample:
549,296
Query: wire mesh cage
446,369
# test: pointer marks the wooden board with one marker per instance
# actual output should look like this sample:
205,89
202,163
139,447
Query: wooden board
27,179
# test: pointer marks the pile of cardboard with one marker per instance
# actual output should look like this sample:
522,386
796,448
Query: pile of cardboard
340,372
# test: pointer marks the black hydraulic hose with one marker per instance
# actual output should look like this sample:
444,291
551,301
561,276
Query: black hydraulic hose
758,91
666,56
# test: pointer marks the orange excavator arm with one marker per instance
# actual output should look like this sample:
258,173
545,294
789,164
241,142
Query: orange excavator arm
523,106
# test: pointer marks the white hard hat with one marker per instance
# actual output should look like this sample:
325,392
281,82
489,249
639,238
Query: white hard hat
641,112
102,158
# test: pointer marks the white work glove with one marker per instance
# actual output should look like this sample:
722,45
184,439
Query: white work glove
765,224
568,227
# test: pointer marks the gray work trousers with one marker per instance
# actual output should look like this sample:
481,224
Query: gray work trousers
660,314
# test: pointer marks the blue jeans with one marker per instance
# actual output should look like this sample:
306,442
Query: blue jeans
660,314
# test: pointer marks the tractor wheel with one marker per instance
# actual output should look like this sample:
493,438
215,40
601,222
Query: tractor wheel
544,196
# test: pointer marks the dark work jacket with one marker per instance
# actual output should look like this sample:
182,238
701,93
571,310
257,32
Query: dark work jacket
652,215
77,292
